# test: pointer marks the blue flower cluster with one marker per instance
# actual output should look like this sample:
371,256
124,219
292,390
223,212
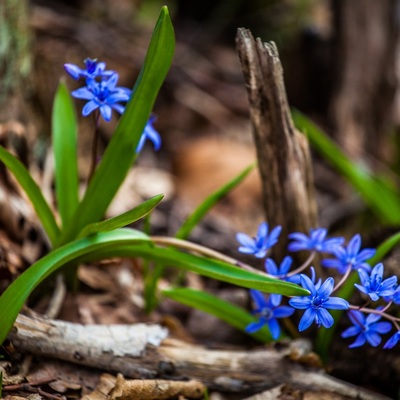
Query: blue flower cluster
103,94
345,259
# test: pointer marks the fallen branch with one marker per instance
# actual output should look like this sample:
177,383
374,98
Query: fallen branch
147,352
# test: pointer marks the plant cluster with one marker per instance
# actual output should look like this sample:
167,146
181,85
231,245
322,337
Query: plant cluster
379,293
77,231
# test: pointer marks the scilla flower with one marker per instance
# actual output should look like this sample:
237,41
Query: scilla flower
263,241
350,256
104,95
268,310
93,70
317,303
315,242
374,286
367,328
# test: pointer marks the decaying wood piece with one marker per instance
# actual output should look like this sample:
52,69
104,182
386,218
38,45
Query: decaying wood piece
147,352
155,389
283,154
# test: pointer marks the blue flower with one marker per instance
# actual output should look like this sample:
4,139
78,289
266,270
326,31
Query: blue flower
317,303
374,286
103,95
392,341
93,70
151,134
350,257
268,310
315,242
281,272
367,329
261,243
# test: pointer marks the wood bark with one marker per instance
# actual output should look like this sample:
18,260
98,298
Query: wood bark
366,61
283,155
148,352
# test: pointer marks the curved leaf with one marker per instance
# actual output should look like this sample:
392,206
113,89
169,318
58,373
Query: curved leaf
227,312
123,219
64,139
32,190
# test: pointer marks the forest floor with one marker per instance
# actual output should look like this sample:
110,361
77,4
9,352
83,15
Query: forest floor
203,118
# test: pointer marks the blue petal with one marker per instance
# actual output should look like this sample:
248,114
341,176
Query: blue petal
118,107
325,318
373,338
377,272
360,340
382,327
83,93
392,341
356,317
153,136
245,240
300,302
283,312
364,277
354,245
351,331
271,267
326,289
73,70
336,303
307,319
274,328
258,298
89,107
105,111
307,283
365,254
255,326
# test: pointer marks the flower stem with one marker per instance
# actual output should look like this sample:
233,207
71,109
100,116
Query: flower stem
95,142
343,280
303,266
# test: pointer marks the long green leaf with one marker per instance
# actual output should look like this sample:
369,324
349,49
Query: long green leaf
123,219
227,312
379,195
33,192
120,152
124,242
208,203
208,267
64,139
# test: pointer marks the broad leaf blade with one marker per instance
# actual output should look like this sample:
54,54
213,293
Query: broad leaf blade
64,139
227,312
120,152
123,219
208,203
33,192
379,195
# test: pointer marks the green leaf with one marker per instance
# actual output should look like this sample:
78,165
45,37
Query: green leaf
120,152
33,192
123,219
227,312
377,193
208,203
124,242
209,267
14,297
64,138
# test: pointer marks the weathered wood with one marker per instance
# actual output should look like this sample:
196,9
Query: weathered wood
148,352
283,154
